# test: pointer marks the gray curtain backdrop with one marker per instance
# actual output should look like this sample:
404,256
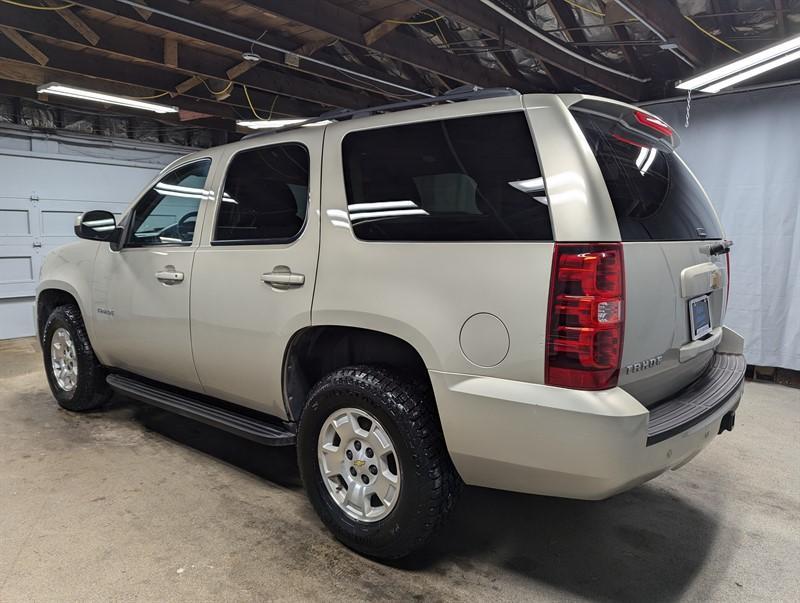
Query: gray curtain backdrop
745,150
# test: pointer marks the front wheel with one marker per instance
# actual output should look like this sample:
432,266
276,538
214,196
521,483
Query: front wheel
374,462
75,376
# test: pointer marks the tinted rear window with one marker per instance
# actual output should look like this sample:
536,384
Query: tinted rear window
655,195
465,179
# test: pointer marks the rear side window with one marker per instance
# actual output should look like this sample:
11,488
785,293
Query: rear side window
465,179
265,197
655,195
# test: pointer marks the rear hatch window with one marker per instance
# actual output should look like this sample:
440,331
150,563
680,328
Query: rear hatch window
655,195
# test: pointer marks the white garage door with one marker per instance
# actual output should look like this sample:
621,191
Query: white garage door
40,195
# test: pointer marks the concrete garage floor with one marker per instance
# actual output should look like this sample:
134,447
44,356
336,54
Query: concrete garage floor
135,503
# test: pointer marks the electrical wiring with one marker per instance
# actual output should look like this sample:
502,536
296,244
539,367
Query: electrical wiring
712,36
253,109
687,17
33,7
399,22
149,97
216,92
586,9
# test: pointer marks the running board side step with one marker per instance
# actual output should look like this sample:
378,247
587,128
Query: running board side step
250,428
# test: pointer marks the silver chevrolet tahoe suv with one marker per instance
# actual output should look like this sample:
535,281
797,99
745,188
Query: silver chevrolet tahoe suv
524,292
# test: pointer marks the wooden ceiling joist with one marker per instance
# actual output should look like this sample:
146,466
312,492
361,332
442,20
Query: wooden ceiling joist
491,23
205,33
76,64
666,20
25,45
339,22
139,47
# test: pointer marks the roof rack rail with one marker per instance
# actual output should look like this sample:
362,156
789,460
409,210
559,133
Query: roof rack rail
462,93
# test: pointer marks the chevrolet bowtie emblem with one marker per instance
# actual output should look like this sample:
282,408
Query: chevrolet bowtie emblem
359,463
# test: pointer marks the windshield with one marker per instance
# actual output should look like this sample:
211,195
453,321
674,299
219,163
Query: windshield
655,195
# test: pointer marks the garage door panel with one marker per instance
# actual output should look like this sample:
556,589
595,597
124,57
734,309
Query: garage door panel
57,178
15,223
16,220
18,268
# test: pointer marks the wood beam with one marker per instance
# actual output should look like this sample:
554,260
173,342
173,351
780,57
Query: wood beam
224,43
75,22
36,75
23,43
70,64
665,19
567,22
171,52
621,33
340,23
26,78
481,17
136,46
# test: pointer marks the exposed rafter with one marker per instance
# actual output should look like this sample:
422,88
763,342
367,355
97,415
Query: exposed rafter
200,26
163,53
351,27
666,21
485,19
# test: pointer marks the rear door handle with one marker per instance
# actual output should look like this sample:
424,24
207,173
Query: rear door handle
283,279
169,277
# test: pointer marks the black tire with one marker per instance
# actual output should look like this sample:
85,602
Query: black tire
91,390
430,484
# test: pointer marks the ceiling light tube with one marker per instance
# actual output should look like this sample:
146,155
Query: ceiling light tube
262,124
746,75
745,63
101,97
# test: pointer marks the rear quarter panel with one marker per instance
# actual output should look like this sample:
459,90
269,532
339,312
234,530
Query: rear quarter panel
424,292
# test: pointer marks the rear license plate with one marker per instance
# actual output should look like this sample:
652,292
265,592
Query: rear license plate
700,316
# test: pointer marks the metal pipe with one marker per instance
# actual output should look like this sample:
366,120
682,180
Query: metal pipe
256,42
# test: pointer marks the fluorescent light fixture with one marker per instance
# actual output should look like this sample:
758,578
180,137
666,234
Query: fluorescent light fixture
102,97
744,75
744,65
261,124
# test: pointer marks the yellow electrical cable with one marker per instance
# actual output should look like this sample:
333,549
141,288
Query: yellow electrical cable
253,109
30,6
398,22
149,97
591,11
687,17
712,36
216,92
249,102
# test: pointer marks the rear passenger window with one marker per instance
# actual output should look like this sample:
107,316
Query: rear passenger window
465,179
265,197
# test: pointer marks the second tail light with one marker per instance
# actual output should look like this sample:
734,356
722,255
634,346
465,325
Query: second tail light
586,316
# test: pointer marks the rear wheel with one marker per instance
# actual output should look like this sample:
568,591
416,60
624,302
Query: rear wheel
374,462
75,376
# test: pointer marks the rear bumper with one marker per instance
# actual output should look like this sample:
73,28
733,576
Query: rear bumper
577,444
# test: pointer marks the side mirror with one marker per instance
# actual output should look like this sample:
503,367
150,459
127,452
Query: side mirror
97,225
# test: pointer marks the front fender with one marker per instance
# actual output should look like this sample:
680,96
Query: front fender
70,269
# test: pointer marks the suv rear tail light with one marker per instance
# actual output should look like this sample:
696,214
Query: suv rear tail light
586,316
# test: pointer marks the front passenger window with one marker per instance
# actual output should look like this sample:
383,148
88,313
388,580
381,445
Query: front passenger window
167,214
